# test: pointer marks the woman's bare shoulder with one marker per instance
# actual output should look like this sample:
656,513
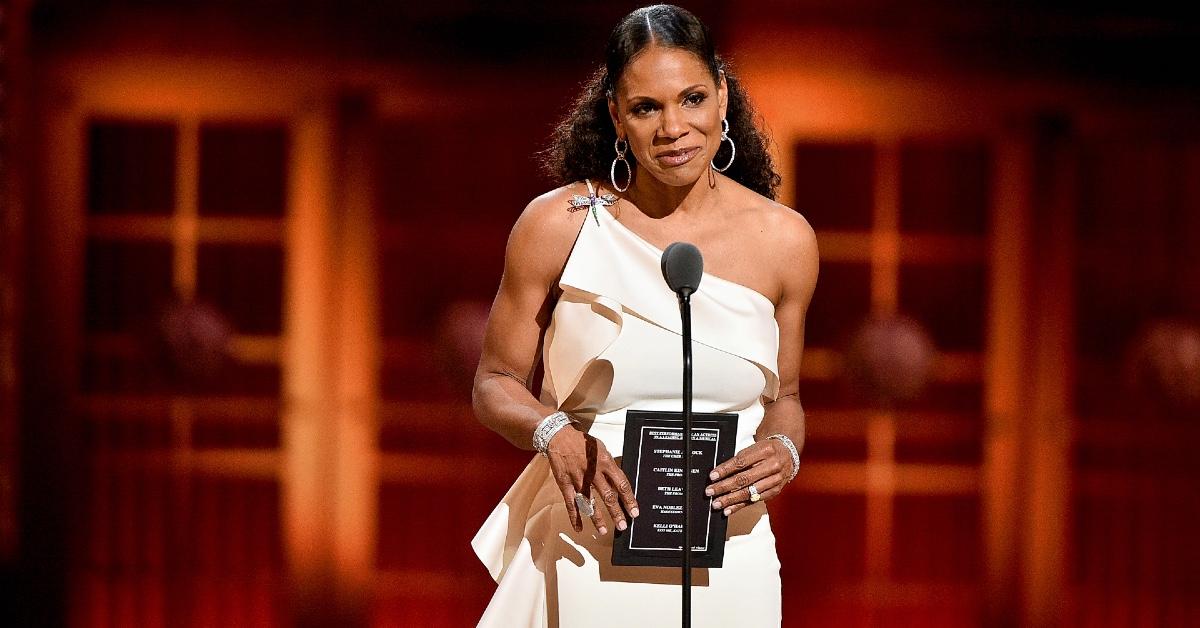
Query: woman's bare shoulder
793,243
777,227
785,241
545,231
788,228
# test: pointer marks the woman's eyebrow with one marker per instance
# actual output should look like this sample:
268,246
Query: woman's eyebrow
639,99
683,92
687,90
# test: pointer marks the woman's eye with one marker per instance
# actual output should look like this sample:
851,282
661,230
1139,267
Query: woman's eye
641,110
695,98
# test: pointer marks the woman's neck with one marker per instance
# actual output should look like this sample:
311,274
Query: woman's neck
658,200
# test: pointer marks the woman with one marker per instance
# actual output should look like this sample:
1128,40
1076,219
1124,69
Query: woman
582,298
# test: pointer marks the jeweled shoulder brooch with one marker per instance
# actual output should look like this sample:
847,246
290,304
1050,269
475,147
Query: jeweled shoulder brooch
593,202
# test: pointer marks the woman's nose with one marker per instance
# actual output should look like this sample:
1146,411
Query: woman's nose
672,125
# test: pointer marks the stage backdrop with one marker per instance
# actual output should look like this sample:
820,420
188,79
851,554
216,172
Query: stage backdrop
258,266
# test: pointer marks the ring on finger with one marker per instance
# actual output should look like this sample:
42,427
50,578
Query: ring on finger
754,496
586,505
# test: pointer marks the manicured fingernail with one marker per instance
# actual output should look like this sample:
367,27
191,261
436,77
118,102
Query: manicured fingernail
716,505
728,511
713,475
634,512
621,525
708,491
603,531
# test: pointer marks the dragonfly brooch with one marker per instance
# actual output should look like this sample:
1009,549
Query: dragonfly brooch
593,202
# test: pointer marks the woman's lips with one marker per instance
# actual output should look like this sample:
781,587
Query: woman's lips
679,157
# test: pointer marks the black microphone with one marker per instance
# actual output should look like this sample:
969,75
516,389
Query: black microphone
682,267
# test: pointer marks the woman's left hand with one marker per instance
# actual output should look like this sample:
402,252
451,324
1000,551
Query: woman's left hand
765,465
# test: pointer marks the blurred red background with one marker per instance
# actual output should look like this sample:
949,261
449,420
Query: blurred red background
245,248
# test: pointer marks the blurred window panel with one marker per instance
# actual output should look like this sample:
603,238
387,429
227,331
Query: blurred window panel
414,371
414,303
1138,536
134,431
145,371
834,184
245,282
131,167
1121,178
243,169
826,536
125,284
438,222
955,439
396,551
235,432
947,397
942,193
938,538
240,378
818,448
829,394
1138,226
223,529
1134,206
177,530
174,544
949,301
1113,299
944,187
841,302
123,372
419,171
1135,498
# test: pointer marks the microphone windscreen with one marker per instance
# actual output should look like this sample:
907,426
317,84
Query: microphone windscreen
682,267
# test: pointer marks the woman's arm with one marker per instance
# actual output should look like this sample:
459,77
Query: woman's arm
767,464
784,415
538,248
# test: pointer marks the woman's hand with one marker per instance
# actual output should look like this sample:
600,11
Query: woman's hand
580,463
765,465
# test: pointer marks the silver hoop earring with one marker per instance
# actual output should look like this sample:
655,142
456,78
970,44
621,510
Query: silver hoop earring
732,147
612,171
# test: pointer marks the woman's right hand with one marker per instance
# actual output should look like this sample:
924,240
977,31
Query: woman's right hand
582,466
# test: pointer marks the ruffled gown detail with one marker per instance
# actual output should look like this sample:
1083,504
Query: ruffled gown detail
614,344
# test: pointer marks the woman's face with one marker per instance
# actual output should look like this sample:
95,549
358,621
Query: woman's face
670,111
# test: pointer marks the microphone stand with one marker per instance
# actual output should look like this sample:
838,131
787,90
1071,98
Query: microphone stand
683,267
685,313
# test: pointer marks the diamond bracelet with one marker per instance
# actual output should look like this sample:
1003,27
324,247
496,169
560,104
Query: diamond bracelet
787,442
547,429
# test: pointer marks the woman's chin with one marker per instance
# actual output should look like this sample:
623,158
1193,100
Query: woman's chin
685,175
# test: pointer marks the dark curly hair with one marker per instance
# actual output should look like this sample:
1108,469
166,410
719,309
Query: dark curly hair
581,146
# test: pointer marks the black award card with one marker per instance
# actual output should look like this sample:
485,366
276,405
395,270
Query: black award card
653,461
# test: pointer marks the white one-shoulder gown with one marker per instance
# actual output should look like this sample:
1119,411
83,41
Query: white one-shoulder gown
614,344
